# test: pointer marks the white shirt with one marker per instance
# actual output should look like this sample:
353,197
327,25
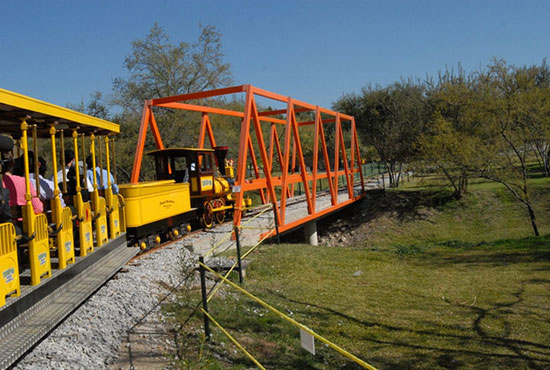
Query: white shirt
90,186
90,176
46,187
60,175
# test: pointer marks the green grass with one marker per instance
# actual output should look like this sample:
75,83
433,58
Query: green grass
489,212
444,283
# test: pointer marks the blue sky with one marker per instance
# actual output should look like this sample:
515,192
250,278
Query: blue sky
61,51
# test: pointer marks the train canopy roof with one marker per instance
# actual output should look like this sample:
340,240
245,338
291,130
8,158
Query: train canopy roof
15,107
178,152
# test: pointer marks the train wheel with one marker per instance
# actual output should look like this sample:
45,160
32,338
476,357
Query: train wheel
220,216
143,244
208,215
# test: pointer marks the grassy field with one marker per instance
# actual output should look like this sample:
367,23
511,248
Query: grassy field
435,283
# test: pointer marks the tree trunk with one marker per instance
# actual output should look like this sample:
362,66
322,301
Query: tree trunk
393,175
463,183
533,220
539,156
389,168
398,178
453,182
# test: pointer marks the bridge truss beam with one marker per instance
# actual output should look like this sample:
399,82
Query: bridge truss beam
275,187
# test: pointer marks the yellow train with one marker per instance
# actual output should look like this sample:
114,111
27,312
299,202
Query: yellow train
40,231
189,185
60,239
43,233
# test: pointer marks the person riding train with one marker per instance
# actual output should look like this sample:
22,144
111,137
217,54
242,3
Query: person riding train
90,176
46,186
6,146
15,183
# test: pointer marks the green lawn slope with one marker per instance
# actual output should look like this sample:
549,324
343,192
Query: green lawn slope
427,282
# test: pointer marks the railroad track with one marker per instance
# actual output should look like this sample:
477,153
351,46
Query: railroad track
251,213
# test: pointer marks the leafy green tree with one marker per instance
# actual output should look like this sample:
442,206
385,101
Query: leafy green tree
507,97
488,124
390,119
536,114
96,106
157,68
451,143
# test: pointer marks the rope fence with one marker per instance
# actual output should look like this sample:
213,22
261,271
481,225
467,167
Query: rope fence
369,170
332,345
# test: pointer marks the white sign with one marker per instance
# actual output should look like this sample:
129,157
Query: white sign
42,258
308,341
237,189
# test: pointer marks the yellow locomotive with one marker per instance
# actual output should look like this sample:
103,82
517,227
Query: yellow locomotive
188,185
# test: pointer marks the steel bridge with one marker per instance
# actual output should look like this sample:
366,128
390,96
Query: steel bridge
278,166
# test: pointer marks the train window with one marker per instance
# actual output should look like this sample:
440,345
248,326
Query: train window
180,169
206,163
180,163
161,168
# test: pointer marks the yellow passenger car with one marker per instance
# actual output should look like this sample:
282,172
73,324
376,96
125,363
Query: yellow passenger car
49,230
156,210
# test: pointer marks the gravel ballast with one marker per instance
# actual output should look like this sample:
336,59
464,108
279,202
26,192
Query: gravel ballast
90,338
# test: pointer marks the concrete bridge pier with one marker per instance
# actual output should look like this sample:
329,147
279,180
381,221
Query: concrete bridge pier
310,233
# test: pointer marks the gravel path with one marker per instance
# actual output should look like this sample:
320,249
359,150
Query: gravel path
90,338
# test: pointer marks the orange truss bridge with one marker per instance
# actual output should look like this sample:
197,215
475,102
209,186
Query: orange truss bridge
335,148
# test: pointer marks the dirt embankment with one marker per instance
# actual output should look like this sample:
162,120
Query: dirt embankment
354,225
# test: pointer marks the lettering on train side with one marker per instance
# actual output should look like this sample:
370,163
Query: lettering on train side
167,203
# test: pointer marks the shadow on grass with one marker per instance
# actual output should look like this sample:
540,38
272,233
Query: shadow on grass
498,253
407,205
475,347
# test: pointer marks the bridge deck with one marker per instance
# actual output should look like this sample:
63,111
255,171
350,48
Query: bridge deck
253,227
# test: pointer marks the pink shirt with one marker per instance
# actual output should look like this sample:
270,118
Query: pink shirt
16,187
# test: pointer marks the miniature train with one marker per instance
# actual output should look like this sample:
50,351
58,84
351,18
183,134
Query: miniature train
83,212
189,186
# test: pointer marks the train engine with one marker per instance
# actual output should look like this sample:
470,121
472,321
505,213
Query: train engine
209,175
